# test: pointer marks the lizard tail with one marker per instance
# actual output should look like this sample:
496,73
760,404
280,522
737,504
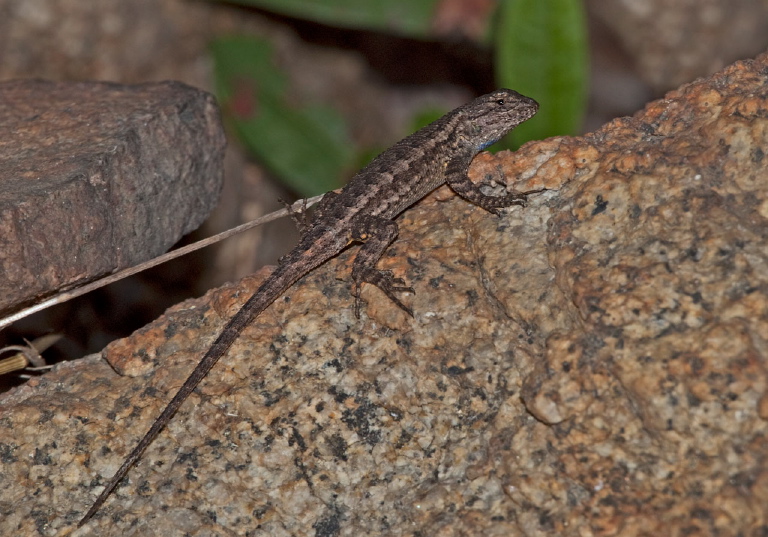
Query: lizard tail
277,283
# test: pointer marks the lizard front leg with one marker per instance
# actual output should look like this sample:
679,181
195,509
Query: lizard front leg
376,234
457,178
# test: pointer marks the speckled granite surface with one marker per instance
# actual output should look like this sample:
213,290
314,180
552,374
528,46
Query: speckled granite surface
593,364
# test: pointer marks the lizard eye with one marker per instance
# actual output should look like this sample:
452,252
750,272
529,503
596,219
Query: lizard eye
500,102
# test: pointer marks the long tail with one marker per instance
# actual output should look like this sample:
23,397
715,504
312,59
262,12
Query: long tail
274,286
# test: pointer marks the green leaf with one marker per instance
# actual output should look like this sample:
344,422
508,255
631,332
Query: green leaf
306,146
541,51
426,116
404,17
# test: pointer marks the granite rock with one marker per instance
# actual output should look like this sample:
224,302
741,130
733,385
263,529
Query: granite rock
592,364
97,177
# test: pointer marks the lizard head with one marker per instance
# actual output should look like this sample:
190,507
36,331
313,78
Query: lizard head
491,116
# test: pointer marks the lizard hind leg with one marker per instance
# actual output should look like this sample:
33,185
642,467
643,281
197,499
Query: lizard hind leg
300,217
376,234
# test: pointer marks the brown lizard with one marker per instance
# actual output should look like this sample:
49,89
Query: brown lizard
363,212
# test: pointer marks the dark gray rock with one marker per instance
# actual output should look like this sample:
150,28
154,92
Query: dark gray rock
96,177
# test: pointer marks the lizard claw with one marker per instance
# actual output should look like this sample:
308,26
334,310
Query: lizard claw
384,280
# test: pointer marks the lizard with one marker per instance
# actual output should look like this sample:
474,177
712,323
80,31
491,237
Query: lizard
363,212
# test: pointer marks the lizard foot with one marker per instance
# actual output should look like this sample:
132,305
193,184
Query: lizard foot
384,280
